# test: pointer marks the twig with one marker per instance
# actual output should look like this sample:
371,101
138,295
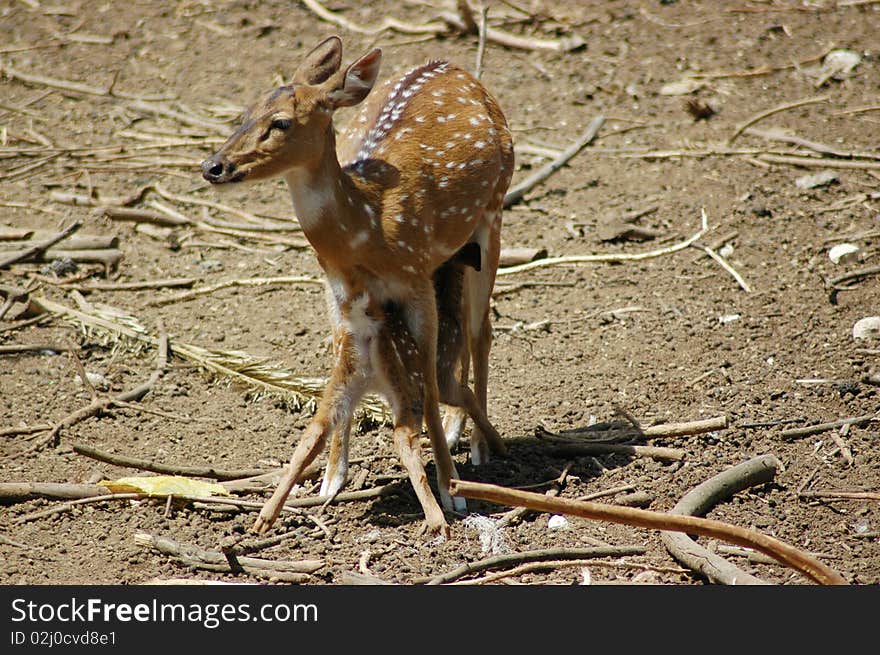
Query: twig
166,283
41,247
557,564
108,257
81,371
836,282
799,433
611,257
102,404
68,506
450,20
508,40
249,282
193,556
726,266
67,85
388,23
17,492
780,551
156,467
498,561
517,514
761,70
16,348
481,46
699,501
778,135
847,495
654,452
30,429
770,112
517,193
823,162
607,492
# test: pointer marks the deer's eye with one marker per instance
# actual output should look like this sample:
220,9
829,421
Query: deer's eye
280,124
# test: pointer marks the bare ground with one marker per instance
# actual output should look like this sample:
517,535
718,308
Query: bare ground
671,338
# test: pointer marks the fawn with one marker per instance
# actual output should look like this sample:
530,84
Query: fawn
404,215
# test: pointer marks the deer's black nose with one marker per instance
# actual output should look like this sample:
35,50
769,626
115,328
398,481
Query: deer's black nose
216,170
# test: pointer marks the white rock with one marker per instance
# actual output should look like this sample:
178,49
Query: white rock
728,318
557,522
840,63
681,87
843,253
867,328
813,180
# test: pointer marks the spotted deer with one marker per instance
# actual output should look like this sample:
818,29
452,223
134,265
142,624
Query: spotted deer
404,215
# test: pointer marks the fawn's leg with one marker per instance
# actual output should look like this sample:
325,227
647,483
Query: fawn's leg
421,320
344,390
453,359
399,363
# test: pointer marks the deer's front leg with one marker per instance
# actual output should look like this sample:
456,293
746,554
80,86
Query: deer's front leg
344,390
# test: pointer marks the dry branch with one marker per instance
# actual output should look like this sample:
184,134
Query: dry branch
799,433
193,556
770,112
17,492
16,348
102,404
614,433
654,452
780,551
844,495
766,69
249,282
699,501
108,257
611,257
779,135
75,242
823,162
157,467
498,561
39,248
174,282
450,19
68,506
727,267
517,193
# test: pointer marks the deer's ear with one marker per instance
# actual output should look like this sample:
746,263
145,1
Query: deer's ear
358,80
320,63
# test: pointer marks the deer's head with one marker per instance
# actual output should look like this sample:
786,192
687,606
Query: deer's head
289,126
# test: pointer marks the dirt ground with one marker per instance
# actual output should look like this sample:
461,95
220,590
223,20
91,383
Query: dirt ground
664,339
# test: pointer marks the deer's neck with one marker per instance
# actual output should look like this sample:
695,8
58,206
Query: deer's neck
328,204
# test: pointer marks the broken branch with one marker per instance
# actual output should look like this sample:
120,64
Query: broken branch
699,501
517,193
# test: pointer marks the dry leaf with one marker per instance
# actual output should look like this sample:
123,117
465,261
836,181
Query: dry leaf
165,485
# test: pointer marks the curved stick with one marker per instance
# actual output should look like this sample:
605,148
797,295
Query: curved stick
698,501
642,518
